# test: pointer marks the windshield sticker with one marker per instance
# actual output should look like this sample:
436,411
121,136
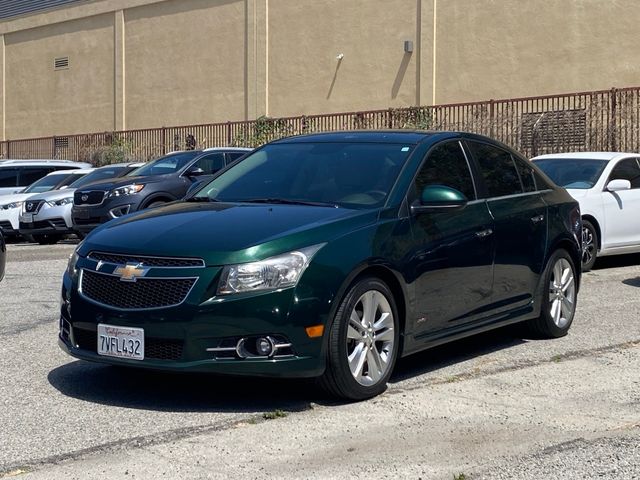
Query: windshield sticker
405,149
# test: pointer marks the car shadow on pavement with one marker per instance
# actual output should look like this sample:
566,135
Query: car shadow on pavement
459,351
187,392
178,392
615,261
632,282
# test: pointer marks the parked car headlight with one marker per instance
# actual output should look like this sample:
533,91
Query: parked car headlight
127,190
61,202
73,260
281,271
9,206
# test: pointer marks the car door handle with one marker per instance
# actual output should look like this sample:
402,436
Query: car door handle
537,218
484,233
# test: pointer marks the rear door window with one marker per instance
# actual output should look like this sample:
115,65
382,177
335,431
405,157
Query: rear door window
28,175
497,169
525,171
233,156
8,177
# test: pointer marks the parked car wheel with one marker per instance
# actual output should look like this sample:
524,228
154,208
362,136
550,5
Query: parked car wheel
558,298
47,239
363,342
589,245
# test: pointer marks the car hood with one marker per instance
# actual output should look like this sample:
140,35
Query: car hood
52,195
222,233
14,197
111,183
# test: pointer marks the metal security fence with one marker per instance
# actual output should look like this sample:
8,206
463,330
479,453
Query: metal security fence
599,120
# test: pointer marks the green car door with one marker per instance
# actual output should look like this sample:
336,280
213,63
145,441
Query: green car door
454,247
520,220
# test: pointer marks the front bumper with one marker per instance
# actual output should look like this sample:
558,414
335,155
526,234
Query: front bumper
181,338
9,222
88,217
43,227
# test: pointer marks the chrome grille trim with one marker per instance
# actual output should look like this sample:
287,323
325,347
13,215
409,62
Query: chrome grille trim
147,261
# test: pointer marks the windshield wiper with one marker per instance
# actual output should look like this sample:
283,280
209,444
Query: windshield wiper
288,201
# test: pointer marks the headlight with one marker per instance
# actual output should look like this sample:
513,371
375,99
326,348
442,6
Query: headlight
272,273
128,190
9,206
73,259
61,202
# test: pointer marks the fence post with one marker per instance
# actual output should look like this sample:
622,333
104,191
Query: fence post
390,118
492,113
8,148
163,140
613,102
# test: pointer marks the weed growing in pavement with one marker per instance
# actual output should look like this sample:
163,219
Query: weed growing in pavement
460,476
273,415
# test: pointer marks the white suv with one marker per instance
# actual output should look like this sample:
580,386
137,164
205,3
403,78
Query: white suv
16,175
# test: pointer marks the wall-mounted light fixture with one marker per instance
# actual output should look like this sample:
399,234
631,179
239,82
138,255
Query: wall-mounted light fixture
340,56
408,46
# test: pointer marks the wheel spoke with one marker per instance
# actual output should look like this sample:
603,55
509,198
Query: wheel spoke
385,321
566,275
567,283
375,364
356,360
557,274
369,307
557,305
384,336
567,307
355,321
353,334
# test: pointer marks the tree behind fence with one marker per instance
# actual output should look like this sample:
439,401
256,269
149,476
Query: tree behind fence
606,120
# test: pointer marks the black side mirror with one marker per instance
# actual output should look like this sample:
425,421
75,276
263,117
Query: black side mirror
439,198
195,172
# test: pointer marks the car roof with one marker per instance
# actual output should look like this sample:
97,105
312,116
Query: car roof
80,171
43,162
228,149
367,136
608,156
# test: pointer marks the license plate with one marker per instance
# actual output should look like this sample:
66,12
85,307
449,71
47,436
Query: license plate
27,217
82,213
120,342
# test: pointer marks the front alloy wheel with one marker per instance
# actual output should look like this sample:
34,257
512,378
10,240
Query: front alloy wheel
589,245
363,342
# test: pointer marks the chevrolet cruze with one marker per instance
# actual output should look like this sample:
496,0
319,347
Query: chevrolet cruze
329,256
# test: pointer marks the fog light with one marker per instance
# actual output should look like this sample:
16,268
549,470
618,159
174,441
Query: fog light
264,346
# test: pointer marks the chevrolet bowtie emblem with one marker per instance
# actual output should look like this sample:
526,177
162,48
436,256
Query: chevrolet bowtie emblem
130,272
84,198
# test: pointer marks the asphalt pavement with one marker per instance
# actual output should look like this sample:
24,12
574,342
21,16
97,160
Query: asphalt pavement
499,405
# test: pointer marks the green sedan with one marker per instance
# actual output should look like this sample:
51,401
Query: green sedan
330,256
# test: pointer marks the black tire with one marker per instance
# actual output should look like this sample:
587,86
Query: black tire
589,245
337,379
544,326
47,239
80,235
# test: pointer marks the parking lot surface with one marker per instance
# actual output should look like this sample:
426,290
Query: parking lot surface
499,405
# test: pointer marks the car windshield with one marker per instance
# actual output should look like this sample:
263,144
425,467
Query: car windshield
351,175
97,175
47,183
580,173
171,163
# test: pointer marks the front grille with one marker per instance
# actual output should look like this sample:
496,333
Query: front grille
35,225
147,261
94,197
157,348
6,226
33,206
142,294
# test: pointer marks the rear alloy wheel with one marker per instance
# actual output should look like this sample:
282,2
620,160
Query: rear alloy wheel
559,298
589,245
363,342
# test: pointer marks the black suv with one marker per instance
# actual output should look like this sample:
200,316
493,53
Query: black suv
161,181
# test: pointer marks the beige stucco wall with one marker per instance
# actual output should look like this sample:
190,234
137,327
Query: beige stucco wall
184,62
149,63
42,101
500,49
305,36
